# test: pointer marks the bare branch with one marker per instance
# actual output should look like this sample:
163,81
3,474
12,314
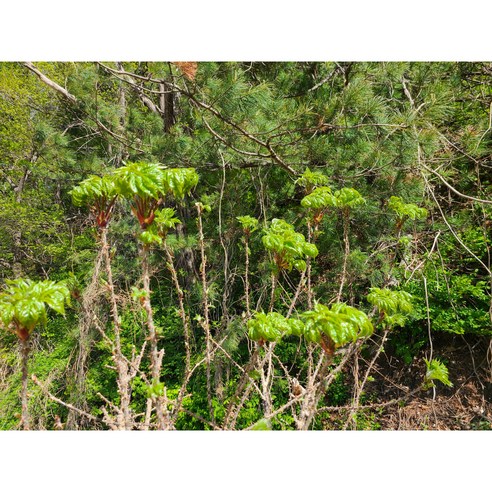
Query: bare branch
454,190
61,402
50,83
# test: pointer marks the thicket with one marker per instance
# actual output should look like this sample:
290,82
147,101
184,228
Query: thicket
236,245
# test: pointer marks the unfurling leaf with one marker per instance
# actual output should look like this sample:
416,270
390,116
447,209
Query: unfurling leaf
406,210
150,236
262,425
436,370
290,247
309,180
23,303
248,223
391,302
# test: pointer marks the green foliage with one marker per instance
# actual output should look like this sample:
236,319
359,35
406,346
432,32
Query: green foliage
366,420
347,198
436,370
97,193
154,390
309,180
351,123
458,304
179,181
138,294
272,326
262,425
320,198
150,236
391,302
341,323
290,247
94,191
165,219
339,391
140,179
248,223
406,210
23,303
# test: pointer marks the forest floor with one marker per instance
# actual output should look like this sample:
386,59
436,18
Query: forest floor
465,406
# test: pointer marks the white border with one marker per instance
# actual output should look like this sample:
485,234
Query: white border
259,30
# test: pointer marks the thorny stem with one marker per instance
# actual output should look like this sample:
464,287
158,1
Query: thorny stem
272,291
308,267
186,328
182,311
206,322
123,382
155,354
246,274
346,242
319,383
61,402
267,380
297,293
25,409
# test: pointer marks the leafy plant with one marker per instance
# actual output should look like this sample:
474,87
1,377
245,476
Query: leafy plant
23,306
436,370
150,236
262,425
139,178
320,198
405,211
335,326
348,198
165,220
390,302
99,194
309,180
248,223
289,247
179,181
344,200
272,326
143,184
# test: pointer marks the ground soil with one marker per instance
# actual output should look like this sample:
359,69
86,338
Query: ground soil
465,406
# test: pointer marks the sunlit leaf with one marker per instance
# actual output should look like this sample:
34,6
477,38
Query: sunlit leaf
262,425
24,302
436,370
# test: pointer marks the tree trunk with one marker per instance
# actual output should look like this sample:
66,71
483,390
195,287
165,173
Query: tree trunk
185,257
166,103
